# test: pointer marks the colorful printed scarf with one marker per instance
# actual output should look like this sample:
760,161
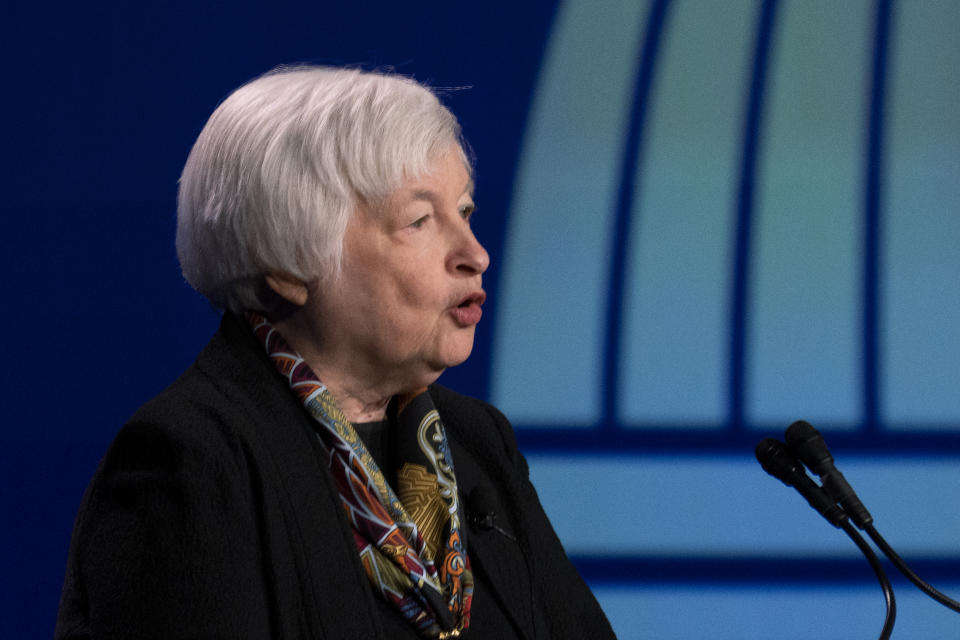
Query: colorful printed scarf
401,537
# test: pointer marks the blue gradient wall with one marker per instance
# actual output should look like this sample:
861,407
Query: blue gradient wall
706,220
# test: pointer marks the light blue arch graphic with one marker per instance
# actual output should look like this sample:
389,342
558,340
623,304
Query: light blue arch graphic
920,292
805,353
853,327
674,363
804,324
563,207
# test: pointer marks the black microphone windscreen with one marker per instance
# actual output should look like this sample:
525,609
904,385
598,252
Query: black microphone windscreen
807,443
809,446
777,461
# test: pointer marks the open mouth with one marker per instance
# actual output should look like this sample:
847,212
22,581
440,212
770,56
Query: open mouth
469,312
475,298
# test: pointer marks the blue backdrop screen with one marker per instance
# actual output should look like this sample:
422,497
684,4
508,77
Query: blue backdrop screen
706,220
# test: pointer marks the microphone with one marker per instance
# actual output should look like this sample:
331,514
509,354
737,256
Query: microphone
482,507
810,447
779,462
482,510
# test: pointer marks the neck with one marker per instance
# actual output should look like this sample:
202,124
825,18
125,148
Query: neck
358,405
362,398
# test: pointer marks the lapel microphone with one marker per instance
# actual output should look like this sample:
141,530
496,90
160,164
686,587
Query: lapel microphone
482,510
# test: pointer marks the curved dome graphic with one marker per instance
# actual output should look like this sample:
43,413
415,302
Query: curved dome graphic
728,215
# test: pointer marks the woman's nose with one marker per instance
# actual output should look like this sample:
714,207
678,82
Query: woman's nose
469,257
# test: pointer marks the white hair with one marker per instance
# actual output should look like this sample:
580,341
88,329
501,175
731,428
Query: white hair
283,162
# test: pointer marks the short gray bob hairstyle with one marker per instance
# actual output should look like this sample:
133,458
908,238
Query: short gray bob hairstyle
283,162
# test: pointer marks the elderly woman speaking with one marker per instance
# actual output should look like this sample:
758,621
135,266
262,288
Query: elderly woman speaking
306,478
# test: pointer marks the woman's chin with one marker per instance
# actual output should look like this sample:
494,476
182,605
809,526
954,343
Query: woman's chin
450,357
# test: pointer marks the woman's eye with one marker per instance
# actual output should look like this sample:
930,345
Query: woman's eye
419,222
466,211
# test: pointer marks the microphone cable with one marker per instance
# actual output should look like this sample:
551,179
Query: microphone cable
874,561
898,562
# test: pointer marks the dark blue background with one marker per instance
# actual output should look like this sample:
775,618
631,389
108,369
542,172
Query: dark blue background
101,106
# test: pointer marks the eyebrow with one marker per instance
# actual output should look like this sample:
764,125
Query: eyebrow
426,194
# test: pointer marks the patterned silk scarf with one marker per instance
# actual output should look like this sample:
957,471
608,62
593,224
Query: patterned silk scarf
410,541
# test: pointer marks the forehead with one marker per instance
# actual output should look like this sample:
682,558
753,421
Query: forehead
447,176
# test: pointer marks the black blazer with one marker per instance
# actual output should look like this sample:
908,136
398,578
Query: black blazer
213,515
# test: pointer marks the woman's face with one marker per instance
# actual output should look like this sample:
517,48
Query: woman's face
409,295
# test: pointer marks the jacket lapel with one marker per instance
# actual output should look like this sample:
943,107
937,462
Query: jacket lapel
494,552
316,570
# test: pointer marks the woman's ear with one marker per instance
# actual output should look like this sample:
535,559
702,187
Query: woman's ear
287,287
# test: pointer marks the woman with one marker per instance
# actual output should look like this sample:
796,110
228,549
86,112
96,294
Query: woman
305,478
